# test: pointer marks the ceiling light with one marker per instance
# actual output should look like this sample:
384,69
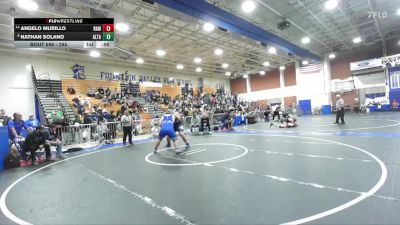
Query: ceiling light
272,50
28,4
197,60
160,52
139,61
282,68
245,76
262,72
179,67
248,6
332,56
28,67
228,73
305,62
198,69
225,65
122,27
356,40
305,40
209,27
331,4
266,63
398,11
218,51
94,54
398,43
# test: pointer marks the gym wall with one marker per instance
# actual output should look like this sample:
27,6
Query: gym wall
17,92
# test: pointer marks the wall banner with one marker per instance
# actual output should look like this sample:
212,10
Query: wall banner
141,78
365,64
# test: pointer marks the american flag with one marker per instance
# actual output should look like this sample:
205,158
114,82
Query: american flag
311,68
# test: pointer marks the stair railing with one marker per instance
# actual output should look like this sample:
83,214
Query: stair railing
37,98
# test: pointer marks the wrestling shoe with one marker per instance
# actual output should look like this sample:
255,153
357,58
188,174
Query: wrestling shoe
178,152
187,146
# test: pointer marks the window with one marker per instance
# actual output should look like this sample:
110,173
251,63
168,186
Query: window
395,80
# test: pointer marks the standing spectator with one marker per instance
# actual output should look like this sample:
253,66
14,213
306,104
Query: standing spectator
53,139
32,122
339,110
267,112
126,123
3,117
111,124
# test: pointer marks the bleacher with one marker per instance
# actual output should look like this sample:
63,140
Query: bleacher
81,88
50,96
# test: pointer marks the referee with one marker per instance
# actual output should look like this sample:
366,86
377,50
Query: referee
339,110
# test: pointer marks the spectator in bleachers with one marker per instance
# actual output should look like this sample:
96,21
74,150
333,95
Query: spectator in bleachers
71,90
15,127
87,119
105,101
32,122
91,93
3,117
107,92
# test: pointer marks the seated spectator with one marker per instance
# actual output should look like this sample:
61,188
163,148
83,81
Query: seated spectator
107,92
87,119
34,141
57,116
15,127
105,102
195,122
3,117
12,159
76,102
53,139
71,90
32,122
91,93
395,105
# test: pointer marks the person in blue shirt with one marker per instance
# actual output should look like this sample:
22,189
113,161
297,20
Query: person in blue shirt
15,127
32,122
167,129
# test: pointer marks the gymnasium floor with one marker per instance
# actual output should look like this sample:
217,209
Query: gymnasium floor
318,173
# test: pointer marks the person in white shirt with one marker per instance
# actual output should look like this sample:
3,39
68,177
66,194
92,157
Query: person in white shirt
339,110
126,123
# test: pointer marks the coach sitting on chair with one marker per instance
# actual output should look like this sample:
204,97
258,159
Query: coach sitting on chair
53,139
34,141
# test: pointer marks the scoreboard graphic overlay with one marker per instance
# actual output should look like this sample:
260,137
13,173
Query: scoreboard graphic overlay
64,33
